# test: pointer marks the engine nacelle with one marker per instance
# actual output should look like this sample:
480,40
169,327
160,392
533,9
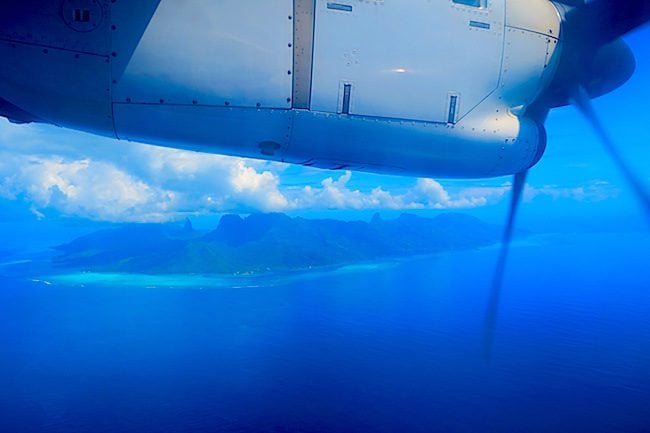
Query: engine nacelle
427,89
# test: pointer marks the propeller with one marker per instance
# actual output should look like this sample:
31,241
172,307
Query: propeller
594,61
583,103
598,22
518,184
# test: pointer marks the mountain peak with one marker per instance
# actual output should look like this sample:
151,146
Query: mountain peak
187,225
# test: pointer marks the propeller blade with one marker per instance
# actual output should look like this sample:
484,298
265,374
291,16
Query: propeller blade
583,103
594,56
497,282
602,21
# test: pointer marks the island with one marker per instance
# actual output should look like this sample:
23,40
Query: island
270,242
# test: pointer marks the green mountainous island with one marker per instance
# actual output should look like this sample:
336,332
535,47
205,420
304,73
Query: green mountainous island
269,242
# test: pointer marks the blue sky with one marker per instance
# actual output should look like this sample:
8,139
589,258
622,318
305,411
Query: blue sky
49,172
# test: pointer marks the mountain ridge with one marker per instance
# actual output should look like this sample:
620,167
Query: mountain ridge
270,242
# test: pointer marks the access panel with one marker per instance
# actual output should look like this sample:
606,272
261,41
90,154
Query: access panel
206,52
415,59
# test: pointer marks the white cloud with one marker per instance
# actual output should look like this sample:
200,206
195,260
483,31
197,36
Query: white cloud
104,179
91,189
164,184
596,190
424,194
260,190
102,190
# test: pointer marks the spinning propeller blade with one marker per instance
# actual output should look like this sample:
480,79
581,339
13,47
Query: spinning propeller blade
595,61
583,103
497,282
598,22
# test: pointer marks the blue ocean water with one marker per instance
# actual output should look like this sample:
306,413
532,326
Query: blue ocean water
384,347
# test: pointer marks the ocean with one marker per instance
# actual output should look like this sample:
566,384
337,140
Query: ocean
392,346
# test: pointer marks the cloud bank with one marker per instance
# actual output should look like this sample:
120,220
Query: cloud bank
111,181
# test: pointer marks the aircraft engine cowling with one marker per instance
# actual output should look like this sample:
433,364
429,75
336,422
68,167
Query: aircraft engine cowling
56,63
484,146
149,71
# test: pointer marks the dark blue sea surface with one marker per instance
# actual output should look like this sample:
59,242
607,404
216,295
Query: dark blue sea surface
384,347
